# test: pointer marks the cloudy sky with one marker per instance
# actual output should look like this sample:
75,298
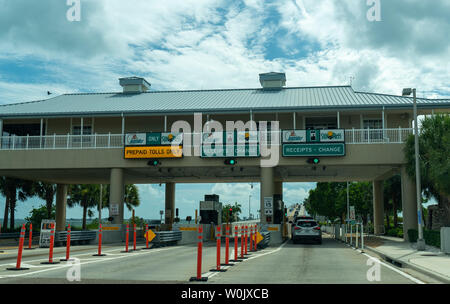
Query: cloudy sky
207,44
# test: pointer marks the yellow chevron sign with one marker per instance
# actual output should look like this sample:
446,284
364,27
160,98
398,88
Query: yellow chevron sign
149,235
259,237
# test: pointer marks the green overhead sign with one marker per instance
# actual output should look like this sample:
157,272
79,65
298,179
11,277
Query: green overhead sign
337,149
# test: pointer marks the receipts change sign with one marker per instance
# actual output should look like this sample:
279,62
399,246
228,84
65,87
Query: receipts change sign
313,143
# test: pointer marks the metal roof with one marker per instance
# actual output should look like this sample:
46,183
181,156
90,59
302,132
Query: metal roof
213,101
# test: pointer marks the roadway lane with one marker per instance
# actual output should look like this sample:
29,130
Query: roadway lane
331,263
173,264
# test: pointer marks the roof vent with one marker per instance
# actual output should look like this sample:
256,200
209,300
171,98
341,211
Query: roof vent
272,80
134,85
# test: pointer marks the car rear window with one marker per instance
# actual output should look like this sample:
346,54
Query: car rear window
307,224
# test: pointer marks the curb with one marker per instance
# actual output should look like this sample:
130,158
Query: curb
410,265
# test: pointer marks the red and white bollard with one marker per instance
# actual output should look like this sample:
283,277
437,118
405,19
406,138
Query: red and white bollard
134,238
218,237
255,246
199,256
127,236
67,245
146,241
242,242
30,238
251,238
52,243
246,239
236,238
19,254
227,246
99,241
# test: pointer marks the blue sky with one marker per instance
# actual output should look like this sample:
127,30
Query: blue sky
210,44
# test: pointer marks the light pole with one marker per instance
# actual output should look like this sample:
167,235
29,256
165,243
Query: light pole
420,240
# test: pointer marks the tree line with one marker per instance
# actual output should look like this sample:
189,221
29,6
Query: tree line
85,196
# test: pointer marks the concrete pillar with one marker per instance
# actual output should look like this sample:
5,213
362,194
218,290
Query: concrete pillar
267,190
409,205
116,195
378,207
61,203
170,205
278,188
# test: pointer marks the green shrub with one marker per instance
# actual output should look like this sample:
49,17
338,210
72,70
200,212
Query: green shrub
432,237
395,232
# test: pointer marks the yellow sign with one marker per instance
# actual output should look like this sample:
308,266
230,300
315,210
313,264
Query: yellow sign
110,228
154,152
272,228
259,237
188,229
149,235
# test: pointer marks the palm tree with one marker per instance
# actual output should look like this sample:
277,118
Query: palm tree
132,199
46,192
14,190
131,196
87,196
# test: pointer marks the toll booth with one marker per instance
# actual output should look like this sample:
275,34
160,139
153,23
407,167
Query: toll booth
211,210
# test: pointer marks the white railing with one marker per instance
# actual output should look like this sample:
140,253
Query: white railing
376,136
67,142
102,141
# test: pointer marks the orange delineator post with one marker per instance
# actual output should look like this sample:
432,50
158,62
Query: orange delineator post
227,245
146,242
19,254
199,256
218,236
52,242
251,238
246,237
30,237
127,238
236,238
254,238
67,244
99,241
134,237
242,242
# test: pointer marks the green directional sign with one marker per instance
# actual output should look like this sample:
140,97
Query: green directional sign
230,151
337,149
153,139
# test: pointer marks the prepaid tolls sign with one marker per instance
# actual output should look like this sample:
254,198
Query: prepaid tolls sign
153,152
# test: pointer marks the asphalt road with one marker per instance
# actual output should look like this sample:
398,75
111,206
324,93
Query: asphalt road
331,262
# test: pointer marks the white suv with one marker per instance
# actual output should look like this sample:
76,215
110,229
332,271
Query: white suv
306,230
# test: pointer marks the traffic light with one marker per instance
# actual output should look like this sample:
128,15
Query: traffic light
230,162
313,160
230,215
154,163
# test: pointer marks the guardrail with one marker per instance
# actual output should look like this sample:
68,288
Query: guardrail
266,239
166,238
15,235
76,237
102,141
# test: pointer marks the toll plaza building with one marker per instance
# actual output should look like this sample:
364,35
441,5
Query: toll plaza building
138,136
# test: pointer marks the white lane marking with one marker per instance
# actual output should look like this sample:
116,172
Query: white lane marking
212,274
395,269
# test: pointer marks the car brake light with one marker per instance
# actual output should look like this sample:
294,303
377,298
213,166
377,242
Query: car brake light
316,228
297,228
